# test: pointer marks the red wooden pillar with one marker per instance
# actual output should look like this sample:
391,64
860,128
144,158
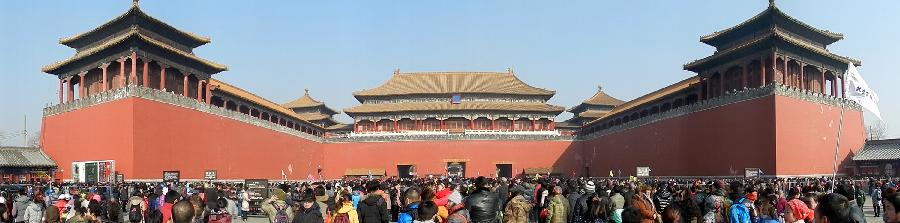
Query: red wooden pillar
122,70
396,126
552,125
784,73
146,81
61,82
103,82
802,78
533,125
200,91
721,83
708,88
81,92
472,124
442,124
70,95
162,77
133,77
744,82
184,92
493,124
762,71
822,85
209,95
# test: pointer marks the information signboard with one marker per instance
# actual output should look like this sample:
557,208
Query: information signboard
171,176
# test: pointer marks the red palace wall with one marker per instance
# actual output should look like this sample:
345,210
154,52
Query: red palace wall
147,137
806,136
430,157
780,135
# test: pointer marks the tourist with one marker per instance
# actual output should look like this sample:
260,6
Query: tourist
412,198
136,208
276,207
517,208
113,209
876,199
644,204
373,208
166,208
632,214
220,213
309,211
850,193
834,208
891,203
558,206
598,209
35,210
671,214
51,215
343,210
426,213
245,204
860,196
321,200
573,195
182,212
457,212
20,204
662,197
766,209
618,203
78,215
154,216
482,203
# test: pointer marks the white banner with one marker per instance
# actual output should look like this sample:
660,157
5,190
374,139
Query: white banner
857,90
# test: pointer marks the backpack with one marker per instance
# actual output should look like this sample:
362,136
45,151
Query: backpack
135,213
281,214
341,218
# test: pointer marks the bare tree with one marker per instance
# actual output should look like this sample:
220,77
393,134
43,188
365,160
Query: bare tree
34,140
876,131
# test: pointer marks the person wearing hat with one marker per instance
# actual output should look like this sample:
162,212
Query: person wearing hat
309,211
276,207
456,210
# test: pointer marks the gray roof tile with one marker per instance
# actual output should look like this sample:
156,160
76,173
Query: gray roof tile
24,157
879,150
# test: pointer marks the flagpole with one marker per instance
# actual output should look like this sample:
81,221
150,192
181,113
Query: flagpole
837,148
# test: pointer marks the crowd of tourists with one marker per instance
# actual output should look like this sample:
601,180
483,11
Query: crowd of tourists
458,200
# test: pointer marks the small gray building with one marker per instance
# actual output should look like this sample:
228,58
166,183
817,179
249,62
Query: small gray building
878,158
25,164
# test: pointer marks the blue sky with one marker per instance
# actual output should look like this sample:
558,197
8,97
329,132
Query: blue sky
277,48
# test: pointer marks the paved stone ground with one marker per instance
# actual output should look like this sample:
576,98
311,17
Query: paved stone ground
870,213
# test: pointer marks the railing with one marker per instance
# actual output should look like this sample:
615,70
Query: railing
448,137
173,99
729,98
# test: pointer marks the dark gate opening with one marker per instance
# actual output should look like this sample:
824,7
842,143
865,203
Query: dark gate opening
406,171
504,170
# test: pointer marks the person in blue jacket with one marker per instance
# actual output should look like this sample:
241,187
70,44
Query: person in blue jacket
412,197
740,211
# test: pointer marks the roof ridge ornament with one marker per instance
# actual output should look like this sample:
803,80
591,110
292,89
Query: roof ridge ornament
134,3
771,3
306,91
599,88
509,70
396,70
